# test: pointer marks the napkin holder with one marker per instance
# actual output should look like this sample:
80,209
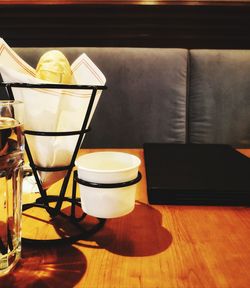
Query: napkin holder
44,200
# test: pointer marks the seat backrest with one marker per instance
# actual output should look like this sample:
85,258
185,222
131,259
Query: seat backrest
146,96
219,97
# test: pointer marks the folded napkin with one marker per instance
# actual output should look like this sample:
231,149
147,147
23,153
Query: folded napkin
51,110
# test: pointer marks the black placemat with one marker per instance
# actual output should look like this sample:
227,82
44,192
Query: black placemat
207,174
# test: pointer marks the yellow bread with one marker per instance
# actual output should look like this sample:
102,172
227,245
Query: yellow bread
53,66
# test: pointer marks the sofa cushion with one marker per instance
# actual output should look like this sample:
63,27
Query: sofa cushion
146,96
219,97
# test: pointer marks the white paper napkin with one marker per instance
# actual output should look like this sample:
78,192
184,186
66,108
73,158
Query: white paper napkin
53,110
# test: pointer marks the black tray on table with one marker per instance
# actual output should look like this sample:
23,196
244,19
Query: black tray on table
196,174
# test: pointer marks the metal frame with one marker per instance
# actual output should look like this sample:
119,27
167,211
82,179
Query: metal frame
44,200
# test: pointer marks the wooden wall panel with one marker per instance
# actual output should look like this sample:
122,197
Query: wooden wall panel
170,24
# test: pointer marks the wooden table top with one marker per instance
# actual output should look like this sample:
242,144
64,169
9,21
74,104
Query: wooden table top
153,246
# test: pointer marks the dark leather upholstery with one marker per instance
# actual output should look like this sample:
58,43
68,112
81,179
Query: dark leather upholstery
146,96
219,97
150,90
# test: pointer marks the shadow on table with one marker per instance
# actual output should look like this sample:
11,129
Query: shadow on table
139,233
41,267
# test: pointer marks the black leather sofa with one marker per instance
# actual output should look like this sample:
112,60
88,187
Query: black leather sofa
167,95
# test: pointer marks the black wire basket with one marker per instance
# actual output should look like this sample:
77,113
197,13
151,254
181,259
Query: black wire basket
45,200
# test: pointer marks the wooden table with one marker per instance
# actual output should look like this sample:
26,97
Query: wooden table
154,246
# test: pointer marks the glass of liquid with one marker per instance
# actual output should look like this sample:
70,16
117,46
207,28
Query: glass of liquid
11,174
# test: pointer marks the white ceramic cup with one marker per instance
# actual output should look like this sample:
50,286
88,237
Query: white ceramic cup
107,168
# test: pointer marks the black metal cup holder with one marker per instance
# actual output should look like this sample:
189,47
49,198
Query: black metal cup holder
106,185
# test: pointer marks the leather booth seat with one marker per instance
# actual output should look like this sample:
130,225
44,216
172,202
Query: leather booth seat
166,95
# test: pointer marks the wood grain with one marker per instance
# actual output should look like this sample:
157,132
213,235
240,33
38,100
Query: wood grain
173,24
125,2
154,246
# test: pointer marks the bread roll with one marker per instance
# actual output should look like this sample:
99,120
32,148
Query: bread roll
53,66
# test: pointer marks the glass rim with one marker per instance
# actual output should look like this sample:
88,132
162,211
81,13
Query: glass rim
6,102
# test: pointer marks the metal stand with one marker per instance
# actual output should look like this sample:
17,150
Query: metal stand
45,199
